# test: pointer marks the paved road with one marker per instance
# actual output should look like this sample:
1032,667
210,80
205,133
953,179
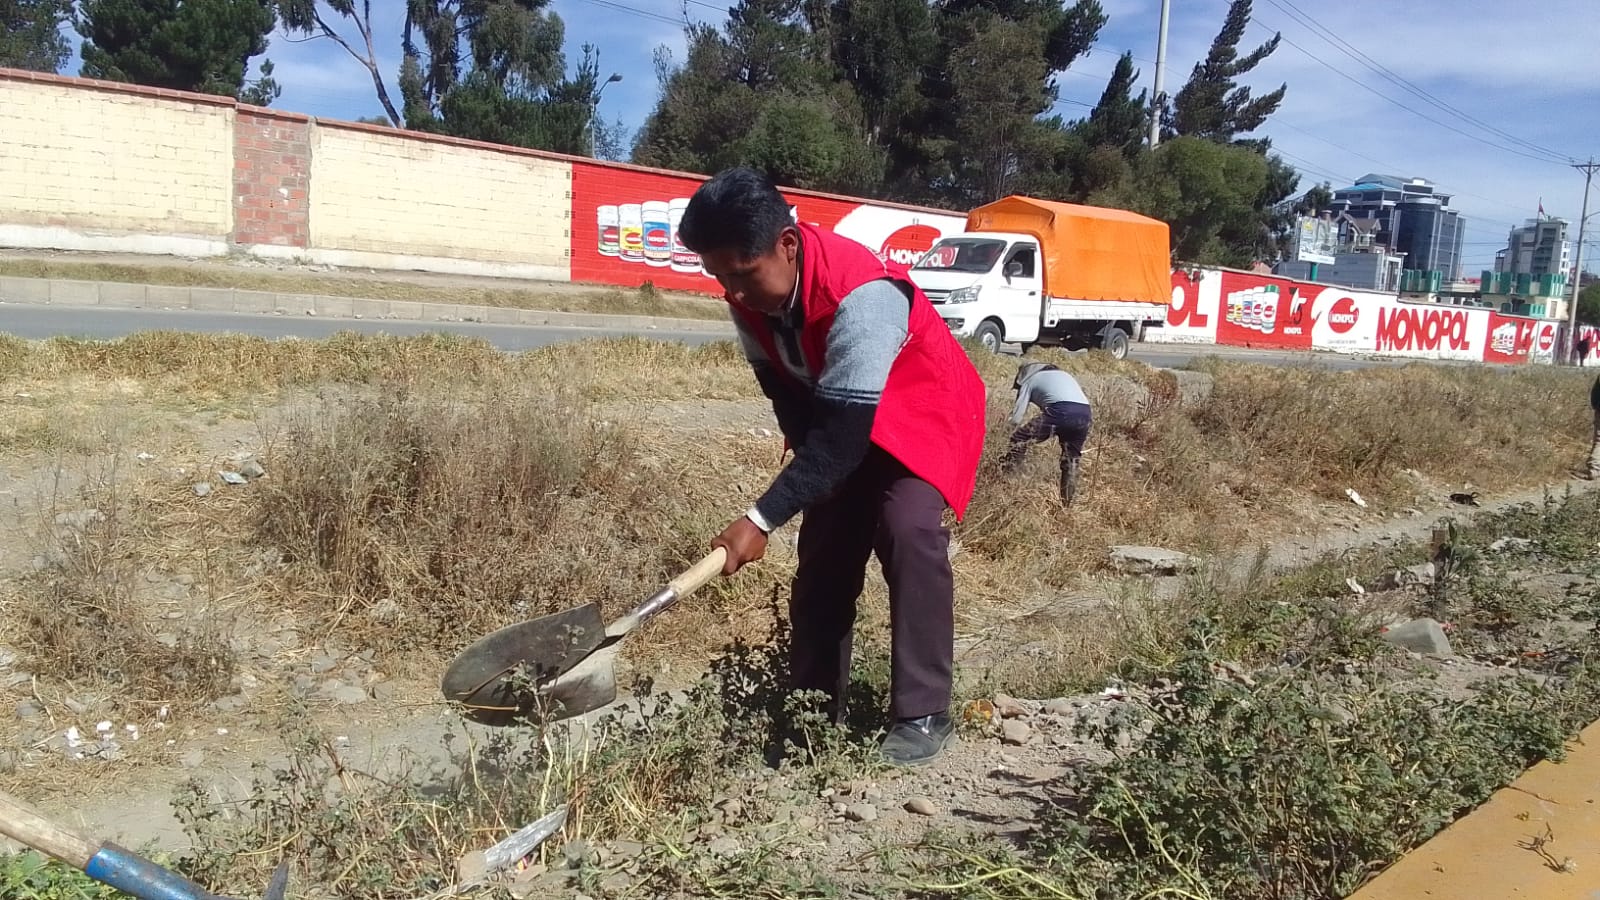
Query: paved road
37,322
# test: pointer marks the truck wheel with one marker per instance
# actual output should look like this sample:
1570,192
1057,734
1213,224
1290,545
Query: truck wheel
1116,343
988,334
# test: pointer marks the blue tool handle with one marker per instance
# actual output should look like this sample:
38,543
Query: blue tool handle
132,874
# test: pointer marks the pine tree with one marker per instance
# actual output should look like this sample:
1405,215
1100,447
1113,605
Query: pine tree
192,45
30,34
1212,105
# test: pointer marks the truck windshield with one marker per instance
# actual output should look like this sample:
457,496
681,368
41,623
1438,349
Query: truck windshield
962,255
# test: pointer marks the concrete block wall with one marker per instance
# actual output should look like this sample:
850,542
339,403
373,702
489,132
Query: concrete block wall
94,166
387,198
103,166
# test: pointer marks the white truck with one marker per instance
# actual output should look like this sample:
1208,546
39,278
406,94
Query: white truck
1030,271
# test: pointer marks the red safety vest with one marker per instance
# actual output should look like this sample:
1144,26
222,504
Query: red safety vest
931,416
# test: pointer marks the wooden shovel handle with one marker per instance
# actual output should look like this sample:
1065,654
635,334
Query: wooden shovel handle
700,573
678,588
22,824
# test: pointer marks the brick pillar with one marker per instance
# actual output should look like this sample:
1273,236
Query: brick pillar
271,178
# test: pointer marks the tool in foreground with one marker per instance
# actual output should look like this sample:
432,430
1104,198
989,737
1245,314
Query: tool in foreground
569,657
109,863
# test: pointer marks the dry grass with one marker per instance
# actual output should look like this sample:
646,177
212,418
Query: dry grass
423,516
87,619
441,489
642,302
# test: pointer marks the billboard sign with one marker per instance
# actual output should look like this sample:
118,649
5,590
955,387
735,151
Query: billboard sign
1316,240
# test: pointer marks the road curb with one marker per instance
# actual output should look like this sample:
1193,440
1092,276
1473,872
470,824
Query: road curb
129,295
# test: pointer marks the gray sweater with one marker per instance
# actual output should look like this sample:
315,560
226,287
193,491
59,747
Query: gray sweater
1045,387
827,419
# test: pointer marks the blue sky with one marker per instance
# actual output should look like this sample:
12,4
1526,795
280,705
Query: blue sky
1530,70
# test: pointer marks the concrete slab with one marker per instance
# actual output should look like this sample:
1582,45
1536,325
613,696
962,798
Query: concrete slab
1489,852
332,307
258,302
412,310
369,309
166,296
121,295
75,293
212,299
25,290
502,315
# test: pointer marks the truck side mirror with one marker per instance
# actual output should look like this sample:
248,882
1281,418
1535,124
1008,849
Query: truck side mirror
1013,270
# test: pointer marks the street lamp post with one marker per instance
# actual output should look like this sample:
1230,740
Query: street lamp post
594,107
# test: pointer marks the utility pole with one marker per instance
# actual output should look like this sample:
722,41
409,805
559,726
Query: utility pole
1158,100
1588,170
594,109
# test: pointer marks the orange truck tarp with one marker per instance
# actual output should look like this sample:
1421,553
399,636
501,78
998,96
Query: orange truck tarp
1090,253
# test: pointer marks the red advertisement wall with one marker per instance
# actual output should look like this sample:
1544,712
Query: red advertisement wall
624,227
1263,311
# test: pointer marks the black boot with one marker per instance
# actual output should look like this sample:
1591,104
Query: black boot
917,742
1069,479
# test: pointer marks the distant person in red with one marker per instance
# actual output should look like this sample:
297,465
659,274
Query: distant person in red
1583,349
885,414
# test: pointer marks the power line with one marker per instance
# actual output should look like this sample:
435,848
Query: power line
1345,47
1419,114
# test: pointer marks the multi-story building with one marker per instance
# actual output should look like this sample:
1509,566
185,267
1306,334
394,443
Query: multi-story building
1538,248
1406,217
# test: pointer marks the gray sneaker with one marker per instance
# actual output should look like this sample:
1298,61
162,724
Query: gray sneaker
917,742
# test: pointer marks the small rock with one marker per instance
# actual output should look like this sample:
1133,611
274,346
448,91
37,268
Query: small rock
872,794
861,812
921,806
576,853
1015,732
228,704
806,823
201,488
231,477
385,691
323,663
1420,635
194,759
1133,560
732,809
29,709
1008,707
1355,497
1510,543
342,692
1060,707
727,845
252,469
1421,574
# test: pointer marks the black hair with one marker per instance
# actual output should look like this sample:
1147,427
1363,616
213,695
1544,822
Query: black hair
739,209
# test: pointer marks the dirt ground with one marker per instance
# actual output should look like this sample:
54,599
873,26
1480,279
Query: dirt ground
122,787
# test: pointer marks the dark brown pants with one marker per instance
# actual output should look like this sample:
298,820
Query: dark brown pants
882,507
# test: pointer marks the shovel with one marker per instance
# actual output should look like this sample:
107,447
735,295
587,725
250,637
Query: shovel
110,864
568,657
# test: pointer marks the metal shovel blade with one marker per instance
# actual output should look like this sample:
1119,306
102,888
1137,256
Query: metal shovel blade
484,679
279,885
587,686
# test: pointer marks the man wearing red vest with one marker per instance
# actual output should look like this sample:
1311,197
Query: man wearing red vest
885,415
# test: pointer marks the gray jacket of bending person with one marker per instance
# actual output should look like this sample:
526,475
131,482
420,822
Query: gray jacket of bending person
1043,385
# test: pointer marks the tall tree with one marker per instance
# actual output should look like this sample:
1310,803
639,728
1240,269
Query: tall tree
30,34
316,18
187,45
494,70
1213,105
1119,120
761,91
1208,193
